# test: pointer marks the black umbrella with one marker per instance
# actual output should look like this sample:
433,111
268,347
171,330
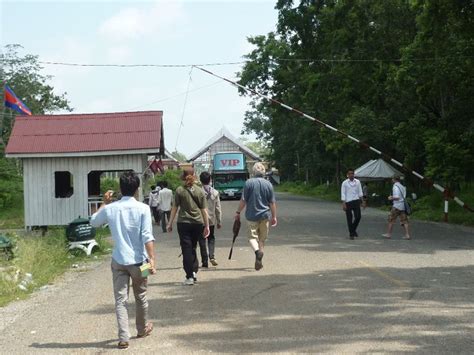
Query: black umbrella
235,230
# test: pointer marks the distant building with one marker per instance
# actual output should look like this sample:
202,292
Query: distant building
64,157
223,141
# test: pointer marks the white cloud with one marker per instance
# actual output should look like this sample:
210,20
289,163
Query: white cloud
133,22
119,54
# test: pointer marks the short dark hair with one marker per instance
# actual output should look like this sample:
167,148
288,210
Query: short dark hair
205,178
129,183
350,169
396,177
153,187
164,183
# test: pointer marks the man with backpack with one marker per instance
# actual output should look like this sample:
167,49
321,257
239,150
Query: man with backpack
397,197
214,212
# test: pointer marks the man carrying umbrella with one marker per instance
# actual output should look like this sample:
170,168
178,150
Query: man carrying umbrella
258,199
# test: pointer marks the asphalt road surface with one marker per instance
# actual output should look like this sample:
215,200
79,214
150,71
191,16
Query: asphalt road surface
318,292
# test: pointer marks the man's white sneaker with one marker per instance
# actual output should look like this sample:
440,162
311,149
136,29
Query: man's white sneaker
188,282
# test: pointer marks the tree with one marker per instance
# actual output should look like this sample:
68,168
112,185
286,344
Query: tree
395,74
179,156
23,75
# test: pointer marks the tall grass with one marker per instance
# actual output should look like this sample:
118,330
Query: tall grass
45,258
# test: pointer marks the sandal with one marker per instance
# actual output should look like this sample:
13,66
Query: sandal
148,330
407,238
386,236
123,345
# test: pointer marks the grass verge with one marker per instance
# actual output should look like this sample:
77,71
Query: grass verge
429,207
40,260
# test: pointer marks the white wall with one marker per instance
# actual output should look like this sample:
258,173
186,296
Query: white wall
41,205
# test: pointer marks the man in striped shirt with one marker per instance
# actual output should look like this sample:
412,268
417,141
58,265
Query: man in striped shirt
351,196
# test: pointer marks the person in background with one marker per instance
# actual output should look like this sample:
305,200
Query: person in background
193,222
365,195
351,195
399,193
214,212
130,224
153,202
258,199
165,198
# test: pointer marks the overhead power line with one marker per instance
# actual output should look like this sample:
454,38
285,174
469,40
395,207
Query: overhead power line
138,65
306,60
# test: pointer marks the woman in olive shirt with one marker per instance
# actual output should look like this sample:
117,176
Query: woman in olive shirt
193,222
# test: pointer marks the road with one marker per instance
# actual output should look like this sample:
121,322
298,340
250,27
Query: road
318,292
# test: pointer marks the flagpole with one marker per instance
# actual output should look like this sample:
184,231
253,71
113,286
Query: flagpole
3,115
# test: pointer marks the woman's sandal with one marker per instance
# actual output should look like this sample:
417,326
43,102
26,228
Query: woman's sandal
123,345
148,330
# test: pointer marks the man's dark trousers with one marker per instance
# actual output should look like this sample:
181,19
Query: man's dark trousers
203,243
353,216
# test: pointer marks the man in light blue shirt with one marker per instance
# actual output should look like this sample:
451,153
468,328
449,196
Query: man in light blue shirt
130,224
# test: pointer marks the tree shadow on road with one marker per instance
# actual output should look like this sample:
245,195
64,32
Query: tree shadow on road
331,311
107,344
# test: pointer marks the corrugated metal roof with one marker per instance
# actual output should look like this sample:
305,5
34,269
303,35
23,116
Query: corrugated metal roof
224,132
87,133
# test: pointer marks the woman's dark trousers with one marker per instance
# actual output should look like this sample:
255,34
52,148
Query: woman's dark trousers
189,234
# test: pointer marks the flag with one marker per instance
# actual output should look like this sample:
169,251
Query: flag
157,165
14,102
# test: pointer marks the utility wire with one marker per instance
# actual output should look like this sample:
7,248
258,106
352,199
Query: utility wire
184,109
177,95
138,65
318,60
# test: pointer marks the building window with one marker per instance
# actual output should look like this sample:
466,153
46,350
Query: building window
63,184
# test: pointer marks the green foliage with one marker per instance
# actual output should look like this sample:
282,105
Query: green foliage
23,75
179,156
109,184
323,191
395,74
172,177
11,184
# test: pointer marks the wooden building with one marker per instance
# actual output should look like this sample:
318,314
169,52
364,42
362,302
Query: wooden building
63,157
223,141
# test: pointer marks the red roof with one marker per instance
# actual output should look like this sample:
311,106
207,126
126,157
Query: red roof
97,132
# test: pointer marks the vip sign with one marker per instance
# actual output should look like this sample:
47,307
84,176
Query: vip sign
228,161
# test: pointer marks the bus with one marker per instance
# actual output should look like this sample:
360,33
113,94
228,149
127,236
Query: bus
229,173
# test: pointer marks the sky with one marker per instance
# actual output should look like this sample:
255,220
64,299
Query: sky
145,32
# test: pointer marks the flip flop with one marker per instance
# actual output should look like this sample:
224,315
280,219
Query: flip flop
123,345
148,330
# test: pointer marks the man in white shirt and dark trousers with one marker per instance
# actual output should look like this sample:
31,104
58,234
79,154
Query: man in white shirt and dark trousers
351,196
165,197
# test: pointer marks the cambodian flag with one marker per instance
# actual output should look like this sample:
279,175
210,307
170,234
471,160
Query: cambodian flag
14,102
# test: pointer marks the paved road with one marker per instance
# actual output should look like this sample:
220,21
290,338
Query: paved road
318,292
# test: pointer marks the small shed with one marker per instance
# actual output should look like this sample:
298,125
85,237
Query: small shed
64,156
376,170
